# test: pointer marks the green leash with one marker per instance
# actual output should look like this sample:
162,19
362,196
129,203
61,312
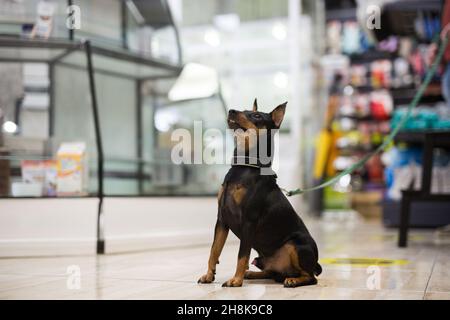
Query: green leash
431,72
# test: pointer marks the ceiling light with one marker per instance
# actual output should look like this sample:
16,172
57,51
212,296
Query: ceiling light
281,80
165,119
196,81
279,31
9,127
212,38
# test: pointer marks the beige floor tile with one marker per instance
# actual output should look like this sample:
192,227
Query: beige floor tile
173,274
439,282
437,296
10,282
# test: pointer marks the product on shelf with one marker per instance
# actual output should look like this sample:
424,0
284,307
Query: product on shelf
404,170
42,174
423,118
44,22
334,37
402,76
33,172
72,176
381,104
358,75
381,73
351,37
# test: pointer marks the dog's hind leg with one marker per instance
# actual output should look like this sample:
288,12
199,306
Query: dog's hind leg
220,236
304,280
258,275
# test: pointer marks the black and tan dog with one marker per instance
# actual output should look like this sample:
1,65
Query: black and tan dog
252,205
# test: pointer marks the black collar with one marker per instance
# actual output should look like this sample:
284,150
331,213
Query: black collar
253,162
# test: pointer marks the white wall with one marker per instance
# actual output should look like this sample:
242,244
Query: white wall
30,227
39,227
34,227
157,222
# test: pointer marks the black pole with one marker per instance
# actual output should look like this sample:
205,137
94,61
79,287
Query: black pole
51,107
98,137
71,32
124,24
139,140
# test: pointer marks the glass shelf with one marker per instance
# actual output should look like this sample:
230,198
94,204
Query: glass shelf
114,61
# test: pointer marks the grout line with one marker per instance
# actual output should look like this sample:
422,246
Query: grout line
431,274
150,280
19,287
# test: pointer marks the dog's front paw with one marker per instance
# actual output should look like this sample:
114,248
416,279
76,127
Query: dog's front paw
233,282
206,278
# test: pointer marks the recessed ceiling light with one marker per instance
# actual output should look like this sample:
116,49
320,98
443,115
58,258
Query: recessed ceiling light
9,127
279,31
212,38
281,80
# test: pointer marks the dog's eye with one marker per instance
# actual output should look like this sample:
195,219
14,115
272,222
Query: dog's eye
257,116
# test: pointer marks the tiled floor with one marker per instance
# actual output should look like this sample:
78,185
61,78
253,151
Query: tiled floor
173,274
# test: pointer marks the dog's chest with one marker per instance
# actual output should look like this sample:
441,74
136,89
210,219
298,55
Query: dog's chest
231,201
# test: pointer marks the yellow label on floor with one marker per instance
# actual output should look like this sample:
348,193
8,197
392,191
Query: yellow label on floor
363,262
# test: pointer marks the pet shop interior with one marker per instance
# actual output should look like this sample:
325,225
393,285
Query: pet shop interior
93,95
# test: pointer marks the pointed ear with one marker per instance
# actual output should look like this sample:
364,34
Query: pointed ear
277,114
255,105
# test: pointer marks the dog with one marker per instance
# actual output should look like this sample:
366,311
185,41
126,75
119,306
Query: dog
254,208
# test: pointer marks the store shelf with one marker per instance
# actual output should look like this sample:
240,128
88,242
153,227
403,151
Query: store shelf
417,137
400,17
402,96
419,214
370,56
70,53
341,14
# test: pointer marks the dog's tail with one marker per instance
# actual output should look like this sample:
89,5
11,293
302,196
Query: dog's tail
318,269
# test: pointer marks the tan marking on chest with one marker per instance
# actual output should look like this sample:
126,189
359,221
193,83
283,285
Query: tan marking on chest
237,192
219,194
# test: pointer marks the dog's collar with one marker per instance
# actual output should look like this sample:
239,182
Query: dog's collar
253,162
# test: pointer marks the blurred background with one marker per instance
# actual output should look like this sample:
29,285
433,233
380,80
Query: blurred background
91,91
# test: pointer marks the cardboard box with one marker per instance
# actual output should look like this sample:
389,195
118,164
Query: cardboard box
367,203
33,172
72,174
42,172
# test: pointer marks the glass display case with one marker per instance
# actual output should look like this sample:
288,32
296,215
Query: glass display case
116,111
127,105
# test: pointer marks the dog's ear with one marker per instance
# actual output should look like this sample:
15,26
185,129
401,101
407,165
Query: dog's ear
255,105
277,114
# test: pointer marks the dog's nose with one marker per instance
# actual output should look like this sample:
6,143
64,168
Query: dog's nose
232,112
